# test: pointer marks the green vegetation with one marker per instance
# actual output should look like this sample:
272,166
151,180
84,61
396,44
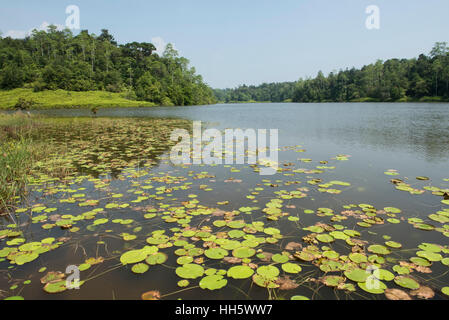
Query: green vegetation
66,99
425,79
28,149
55,60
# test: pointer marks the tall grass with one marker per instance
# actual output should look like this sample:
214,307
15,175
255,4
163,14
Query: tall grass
68,99
18,154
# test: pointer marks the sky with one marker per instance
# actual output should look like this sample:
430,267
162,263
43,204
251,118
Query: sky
234,42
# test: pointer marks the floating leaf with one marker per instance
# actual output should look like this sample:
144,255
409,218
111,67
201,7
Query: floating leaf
140,268
406,282
190,271
213,282
291,268
240,272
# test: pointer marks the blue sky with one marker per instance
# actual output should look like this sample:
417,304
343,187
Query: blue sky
233,42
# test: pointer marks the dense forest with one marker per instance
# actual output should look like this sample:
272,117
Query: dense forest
425,78
52,59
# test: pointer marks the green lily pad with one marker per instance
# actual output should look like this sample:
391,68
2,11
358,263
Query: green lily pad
445,290
190,271
183,283
157,258
358,257
421,261
431,256
243,252
264,282
383,274
133,256
333,281
279,258
214,282
291,268
326,238
240,272
379,249
373,285
55,287
393,244
216,253
357,275
406,282
299,298
140,268
430,247
268,272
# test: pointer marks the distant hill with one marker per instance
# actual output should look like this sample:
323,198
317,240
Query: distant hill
52,59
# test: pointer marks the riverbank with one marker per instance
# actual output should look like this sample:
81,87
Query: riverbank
54,99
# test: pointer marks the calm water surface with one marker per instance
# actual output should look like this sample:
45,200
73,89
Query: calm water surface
410,138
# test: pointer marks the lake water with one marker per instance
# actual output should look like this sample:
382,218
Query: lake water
359,147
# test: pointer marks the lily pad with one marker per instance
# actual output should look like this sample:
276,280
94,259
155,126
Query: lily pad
357,275
190,271
291,268
140,268
240,272
406,282
214,282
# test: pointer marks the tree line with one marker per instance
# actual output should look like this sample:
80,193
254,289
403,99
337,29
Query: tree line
393,80
54,59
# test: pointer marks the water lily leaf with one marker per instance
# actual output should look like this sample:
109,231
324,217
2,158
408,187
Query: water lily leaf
423,293
263,282
379,249
183,283
14,298
430,247
151,295
291,268
431,256
268,272
326,238
299,298
184,260
397,294
240,272
25,258
190,271
357,275
157,258
445,290
279,258
358,257
393,244
133,256
52,276
213,282
216,253
55,287
406,282
392,210
383,274
421,262
333,281
243,252
140,268
373,285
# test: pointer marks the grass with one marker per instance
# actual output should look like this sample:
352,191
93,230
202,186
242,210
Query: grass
52,99
20,150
